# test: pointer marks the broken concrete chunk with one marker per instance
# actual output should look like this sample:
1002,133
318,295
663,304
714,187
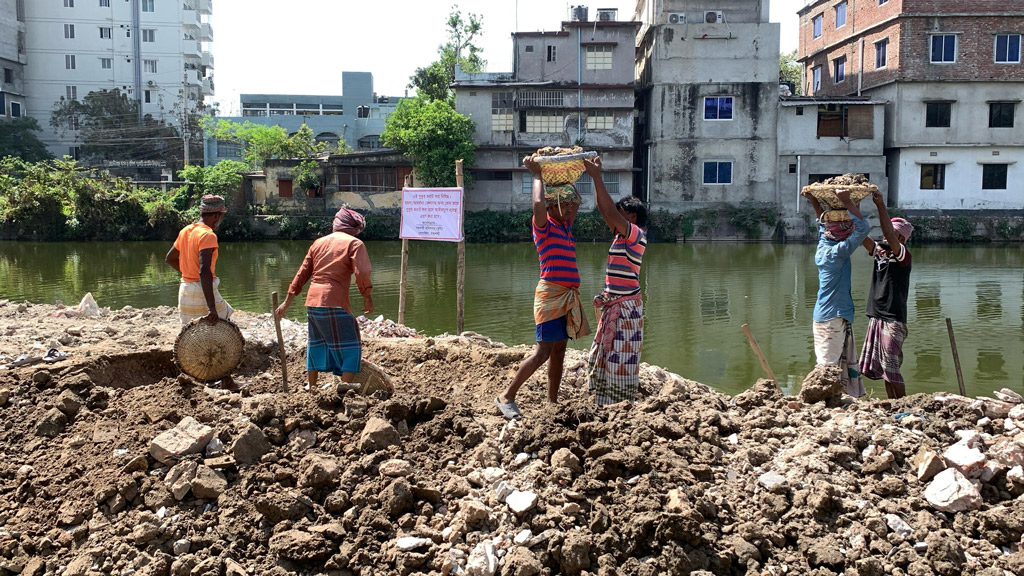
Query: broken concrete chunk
951,491
188,437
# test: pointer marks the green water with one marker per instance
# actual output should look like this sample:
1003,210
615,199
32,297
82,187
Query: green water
697,297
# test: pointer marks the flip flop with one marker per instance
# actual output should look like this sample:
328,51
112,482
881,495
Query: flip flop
509,410
54,355
25,360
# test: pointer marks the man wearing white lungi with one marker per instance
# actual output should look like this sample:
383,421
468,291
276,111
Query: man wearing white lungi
194,255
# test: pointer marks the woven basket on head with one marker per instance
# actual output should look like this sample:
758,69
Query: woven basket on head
562,170
826,194
208,352
371,378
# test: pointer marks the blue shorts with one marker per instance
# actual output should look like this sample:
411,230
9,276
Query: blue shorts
553,330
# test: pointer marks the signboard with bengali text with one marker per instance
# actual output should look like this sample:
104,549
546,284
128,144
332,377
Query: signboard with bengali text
432,214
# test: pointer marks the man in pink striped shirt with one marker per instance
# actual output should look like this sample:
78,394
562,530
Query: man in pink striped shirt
557,308
614,361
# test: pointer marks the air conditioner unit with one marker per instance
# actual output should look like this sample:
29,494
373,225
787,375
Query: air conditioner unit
676,18
150,82
714,16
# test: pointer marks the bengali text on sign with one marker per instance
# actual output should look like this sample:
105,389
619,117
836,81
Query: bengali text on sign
432,214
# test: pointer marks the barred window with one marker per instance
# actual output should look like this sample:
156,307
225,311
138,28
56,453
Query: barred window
585,185
542,98
599,57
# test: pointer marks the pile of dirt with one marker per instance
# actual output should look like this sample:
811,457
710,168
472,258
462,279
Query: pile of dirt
115,464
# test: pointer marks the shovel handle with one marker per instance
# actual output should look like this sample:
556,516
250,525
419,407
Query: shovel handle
280,341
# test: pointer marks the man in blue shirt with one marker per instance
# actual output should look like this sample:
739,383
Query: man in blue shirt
833,310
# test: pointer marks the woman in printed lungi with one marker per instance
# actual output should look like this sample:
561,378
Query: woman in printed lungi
334,343
614,374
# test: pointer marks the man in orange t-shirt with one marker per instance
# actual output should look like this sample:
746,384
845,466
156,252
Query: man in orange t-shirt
194,255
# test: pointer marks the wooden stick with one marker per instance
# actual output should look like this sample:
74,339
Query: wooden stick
956,357
460,285
280,340
757,351
405,267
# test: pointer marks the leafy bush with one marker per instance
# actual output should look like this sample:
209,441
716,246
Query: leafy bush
382,225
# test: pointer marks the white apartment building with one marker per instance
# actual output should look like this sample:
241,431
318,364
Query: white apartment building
158,52
12,58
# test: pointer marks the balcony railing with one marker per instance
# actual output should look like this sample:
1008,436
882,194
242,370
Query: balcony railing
208,59
207,34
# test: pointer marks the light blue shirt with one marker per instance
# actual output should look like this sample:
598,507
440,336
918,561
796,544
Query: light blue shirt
833,261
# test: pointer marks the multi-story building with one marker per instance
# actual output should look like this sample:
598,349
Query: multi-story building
155,51
357,117
951,75
572,86
12,58
708,75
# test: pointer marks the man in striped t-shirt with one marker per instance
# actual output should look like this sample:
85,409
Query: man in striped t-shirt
557,308
614,374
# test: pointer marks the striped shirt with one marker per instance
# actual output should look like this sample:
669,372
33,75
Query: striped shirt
556,250
624,258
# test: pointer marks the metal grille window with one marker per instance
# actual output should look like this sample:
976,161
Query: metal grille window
1008,48
585,184
933,176
881,53
69,30
501,112
106,63
600,120
544,121
491,175
106,32
228,149
599,57
993,176
104,3
541,98
367,179
149,35
551,53
1000,114
943,48
69,3
718,172
718,108
149,66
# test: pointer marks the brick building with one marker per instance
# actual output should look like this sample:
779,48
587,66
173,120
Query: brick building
951,75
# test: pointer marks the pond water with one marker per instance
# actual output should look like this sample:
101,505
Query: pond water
697,297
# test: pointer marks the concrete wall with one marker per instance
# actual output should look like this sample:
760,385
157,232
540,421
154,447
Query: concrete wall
963,168
11,59
737,52
531,53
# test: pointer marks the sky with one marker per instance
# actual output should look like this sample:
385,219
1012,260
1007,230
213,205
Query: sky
302,46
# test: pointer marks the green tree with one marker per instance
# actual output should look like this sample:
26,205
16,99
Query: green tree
260,142
111,129
18,138
434,134
434,80
789,71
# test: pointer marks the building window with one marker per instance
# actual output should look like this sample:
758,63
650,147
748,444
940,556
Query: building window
600,120
8,76
106,32
840,14
943,48
104,3
544,121
1000,114
993,176
881,52
147,5
933,176
146,97
816,78
846,121
149,66
599,57
545,98
72,92
106,63
15,109
529,48
585,185
816,23
367,179
1008,48
69,61
149,35
527,183
228,149
882,2
492,175
938,114
502,119
718,108
69,30
69,3
284,188
718,172
839,69
551,53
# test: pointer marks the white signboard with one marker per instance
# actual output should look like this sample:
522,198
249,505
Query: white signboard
432,214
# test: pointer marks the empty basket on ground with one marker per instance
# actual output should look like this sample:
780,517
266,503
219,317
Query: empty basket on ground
371,378
209,352
563,169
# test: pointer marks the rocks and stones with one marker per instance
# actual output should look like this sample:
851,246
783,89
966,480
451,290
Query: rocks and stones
208,483
521,502
52,423
250,445
69,403
574,555
521,561
300,546
951,491
927,464
188,437
968,459
395,468
407,543
564,458
772,481
897,525
378,434
397,498
823,384
317,471
482,560
763,392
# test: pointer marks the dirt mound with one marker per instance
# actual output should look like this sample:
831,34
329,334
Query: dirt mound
433,481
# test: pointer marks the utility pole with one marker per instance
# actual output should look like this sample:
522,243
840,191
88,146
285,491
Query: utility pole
184,113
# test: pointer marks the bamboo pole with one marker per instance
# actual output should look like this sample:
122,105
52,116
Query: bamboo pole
405,266
956,357
460,290
280,341
757,352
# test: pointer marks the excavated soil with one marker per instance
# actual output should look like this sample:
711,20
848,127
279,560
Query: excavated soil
431,480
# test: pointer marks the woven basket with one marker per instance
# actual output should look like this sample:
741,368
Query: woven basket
562,170
208,352
371,378
826,194
835,215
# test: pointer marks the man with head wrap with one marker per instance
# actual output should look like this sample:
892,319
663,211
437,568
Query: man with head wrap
334,343
557,308
833,309
882,353
194,256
